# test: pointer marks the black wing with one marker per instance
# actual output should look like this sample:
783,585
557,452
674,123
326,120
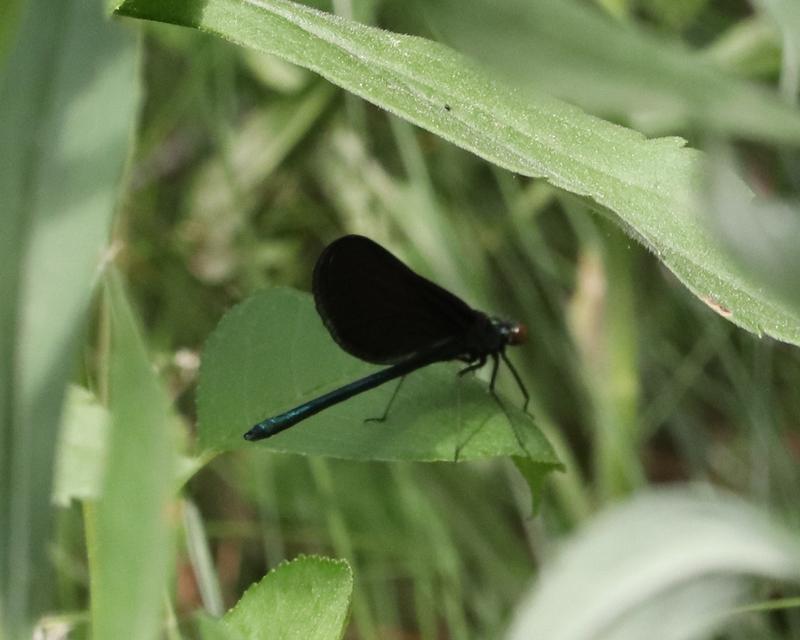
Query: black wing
378,309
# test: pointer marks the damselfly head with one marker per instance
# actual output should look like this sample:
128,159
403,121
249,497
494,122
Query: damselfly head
513,333
518,334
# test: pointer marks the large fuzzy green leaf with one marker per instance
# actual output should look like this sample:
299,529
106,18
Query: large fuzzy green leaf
665,565
647,186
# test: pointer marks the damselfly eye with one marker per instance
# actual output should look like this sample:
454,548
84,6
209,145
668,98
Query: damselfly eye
518,334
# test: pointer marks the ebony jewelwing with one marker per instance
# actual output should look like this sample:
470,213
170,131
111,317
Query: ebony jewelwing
380,311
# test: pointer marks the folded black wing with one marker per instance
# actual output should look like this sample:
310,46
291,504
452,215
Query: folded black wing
378,309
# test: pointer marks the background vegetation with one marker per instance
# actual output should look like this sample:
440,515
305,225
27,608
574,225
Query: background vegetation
641,266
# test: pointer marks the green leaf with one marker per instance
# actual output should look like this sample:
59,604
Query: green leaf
68,94
216,629
81,449
685,559
272,352
307,599
129,540
646,186
534,477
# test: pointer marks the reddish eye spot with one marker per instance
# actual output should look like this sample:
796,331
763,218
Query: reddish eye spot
518,334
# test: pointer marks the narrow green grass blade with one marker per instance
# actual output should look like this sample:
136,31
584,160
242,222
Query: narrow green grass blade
129,541
305,599
201,559
749,48
272,352
67,98
647,186
785,15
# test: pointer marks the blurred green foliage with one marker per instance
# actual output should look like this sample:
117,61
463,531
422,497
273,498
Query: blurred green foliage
242,167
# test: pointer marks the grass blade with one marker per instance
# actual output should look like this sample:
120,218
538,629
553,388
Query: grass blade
67,98
129,533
